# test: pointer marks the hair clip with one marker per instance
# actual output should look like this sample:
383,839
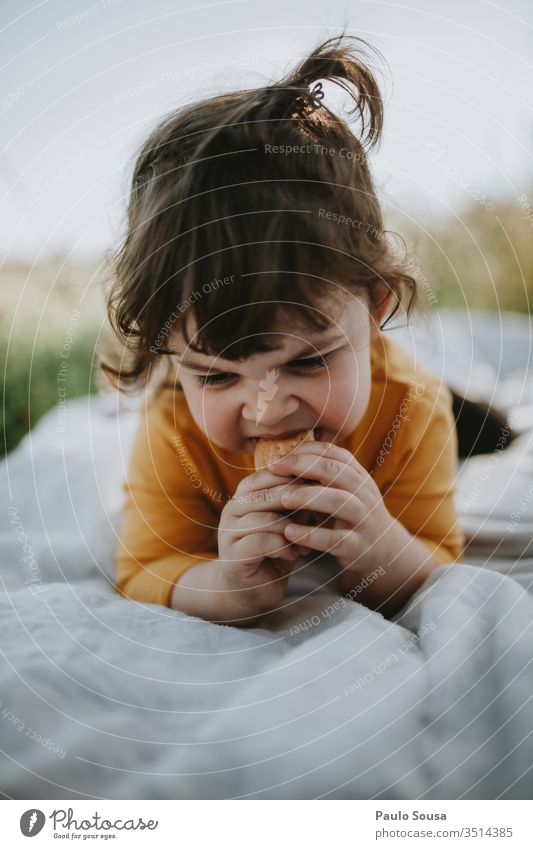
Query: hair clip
316,95
312,99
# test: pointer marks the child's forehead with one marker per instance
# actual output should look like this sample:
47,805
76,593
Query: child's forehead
337,309
288,331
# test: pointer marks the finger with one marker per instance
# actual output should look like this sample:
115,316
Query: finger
336,542
327,449
261,500
268,521
260,545
329,471
332,502
257,481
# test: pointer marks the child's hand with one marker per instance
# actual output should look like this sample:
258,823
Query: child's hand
359,531
256,556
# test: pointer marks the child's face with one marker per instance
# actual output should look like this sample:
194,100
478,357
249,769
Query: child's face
276,393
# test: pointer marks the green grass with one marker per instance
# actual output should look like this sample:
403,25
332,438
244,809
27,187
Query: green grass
29,382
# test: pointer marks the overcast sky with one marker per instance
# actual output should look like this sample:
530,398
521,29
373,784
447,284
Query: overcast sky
83,82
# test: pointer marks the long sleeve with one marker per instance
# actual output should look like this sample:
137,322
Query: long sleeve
168,523
419,488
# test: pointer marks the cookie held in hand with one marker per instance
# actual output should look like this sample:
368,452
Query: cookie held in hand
268,448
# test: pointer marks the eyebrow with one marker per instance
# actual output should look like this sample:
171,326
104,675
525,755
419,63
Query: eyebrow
309,349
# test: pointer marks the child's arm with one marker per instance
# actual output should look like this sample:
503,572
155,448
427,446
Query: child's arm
388,542
202,592
250,577
168,524
419,486
199,592
382,563
418,490
388,589
176,549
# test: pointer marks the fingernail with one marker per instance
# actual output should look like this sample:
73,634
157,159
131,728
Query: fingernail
275,459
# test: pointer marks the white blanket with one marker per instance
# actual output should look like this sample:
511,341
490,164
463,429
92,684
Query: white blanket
107,698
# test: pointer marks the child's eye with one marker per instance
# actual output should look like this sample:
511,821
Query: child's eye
221,379
315,362
212,379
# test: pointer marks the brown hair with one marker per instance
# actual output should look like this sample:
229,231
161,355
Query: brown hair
251,202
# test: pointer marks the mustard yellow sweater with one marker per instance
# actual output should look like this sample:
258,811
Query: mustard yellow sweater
178,483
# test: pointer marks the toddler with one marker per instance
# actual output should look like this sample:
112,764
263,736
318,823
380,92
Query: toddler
252,290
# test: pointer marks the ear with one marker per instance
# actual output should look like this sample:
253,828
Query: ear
382,297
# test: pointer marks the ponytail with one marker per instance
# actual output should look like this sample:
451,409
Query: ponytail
337,60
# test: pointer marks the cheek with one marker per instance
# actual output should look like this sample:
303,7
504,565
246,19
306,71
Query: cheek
347,392
214,414
202,407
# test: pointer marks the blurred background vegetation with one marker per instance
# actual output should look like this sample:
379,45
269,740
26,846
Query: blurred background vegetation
480,259
50,314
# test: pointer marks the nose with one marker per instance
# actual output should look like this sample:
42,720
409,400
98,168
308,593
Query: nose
268,404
